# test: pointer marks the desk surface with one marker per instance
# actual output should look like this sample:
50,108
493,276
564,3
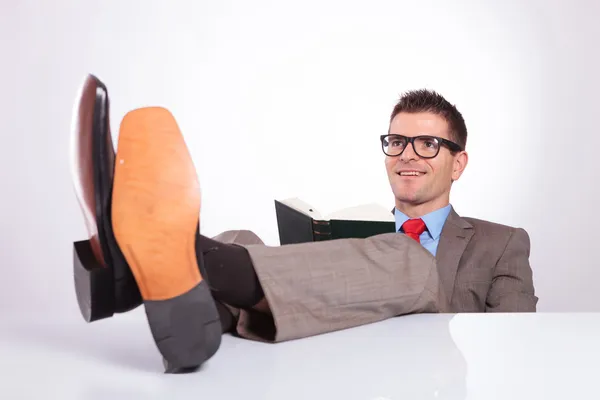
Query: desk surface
465,356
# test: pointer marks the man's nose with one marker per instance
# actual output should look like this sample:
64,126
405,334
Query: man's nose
409,153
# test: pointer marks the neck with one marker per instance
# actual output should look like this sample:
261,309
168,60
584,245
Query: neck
418,210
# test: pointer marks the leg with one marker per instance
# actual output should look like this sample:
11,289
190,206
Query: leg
229,270
314,288
232,275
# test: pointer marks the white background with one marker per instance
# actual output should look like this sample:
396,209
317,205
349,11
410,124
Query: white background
281,99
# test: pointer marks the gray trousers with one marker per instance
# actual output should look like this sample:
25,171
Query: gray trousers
321,287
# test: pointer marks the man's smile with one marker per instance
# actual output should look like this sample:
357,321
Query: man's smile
410,173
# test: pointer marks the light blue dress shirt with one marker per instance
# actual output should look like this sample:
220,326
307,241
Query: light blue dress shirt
434,221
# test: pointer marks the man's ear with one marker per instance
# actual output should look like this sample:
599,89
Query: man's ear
460,163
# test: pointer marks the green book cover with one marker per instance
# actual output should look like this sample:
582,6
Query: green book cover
299,222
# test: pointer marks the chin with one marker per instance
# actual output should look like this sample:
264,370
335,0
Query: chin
406,191
409,198
410,201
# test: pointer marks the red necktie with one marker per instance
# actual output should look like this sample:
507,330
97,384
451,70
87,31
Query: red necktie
413,228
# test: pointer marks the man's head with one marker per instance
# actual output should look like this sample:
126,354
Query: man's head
421,174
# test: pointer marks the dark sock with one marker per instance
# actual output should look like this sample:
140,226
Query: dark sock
229,272
228,321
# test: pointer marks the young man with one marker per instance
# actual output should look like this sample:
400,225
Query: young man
437,262
480,266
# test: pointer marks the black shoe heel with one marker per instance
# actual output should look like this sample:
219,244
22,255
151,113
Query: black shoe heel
94,285
186,329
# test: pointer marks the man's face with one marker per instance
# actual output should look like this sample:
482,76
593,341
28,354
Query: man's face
429,189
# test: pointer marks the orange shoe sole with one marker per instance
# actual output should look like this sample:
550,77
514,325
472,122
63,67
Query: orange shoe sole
155,217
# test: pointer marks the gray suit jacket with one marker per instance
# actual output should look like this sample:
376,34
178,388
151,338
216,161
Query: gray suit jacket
484,266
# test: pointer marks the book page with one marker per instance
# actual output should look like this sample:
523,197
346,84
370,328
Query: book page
303,207
364,212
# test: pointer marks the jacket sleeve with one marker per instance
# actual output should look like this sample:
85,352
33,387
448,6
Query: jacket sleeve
512,284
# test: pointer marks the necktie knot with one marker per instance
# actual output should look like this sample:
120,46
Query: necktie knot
414,228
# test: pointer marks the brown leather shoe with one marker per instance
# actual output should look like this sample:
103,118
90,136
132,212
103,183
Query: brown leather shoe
104,284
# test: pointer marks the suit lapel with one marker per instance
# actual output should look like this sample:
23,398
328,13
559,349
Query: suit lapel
454,238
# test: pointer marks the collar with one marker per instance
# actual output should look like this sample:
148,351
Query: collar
434,220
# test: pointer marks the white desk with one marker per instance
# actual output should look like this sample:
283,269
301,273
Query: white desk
510,356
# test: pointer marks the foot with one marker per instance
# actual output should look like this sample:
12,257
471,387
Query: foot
155,216
104,284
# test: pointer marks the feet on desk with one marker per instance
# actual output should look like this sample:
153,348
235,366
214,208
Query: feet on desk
104,284
142,211
155,214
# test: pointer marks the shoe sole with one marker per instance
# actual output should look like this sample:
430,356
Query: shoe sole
155,217
103,283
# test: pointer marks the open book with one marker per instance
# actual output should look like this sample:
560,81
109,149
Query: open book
299,222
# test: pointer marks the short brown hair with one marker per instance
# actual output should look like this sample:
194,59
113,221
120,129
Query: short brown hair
424,100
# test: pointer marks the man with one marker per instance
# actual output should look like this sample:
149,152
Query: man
437,262
482,266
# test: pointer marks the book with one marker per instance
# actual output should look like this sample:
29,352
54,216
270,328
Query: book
300,222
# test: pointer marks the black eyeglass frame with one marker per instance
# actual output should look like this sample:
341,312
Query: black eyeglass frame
410,140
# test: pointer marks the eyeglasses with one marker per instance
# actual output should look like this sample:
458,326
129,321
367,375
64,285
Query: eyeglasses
425,146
